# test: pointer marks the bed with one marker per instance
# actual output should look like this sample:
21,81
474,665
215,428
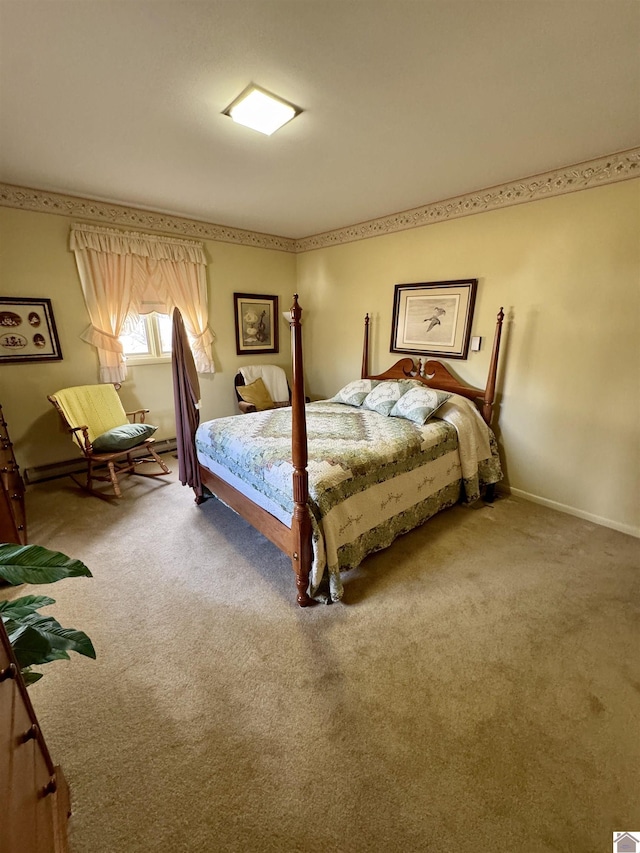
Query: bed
332,481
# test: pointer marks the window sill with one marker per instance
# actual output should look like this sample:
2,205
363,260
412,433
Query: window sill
133,361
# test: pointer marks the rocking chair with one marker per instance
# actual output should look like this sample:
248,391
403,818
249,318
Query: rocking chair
97,421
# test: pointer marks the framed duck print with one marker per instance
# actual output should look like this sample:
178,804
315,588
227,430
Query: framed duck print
433,318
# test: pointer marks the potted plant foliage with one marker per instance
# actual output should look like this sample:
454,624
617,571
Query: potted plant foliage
37,639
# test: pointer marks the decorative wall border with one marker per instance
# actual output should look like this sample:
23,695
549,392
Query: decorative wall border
622,166
606,170
43,201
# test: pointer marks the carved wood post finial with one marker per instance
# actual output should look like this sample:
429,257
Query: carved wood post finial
296,310
490,390
365,349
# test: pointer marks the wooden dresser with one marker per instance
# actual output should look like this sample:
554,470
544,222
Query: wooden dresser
34,798
13,523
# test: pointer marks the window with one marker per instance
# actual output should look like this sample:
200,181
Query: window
147,338
165,271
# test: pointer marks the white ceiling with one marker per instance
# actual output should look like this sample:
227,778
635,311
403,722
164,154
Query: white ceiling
406,101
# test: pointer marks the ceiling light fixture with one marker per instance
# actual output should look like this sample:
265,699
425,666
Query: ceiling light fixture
260,110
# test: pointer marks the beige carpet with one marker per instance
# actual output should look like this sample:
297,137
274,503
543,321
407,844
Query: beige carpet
478,689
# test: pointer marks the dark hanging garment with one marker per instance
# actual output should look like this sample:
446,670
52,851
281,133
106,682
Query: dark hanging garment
186,395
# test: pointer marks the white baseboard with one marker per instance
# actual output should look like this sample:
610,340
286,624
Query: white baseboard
588,516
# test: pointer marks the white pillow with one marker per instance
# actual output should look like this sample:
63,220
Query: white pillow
354,393
419,404
386,394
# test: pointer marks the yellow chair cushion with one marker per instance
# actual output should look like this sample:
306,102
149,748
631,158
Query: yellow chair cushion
96,406
256,393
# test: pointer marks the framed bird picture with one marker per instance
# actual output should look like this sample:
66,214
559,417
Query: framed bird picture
433,318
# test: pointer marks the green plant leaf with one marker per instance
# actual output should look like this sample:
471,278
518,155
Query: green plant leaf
30,677
10,625
38,639
29,645
23,606
36,565
56,654
58,637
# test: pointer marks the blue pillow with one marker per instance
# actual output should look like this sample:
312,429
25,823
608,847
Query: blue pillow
123,437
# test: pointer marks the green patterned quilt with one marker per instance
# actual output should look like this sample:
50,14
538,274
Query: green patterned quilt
371,477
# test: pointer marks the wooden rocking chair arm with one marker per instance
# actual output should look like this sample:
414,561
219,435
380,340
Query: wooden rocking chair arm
85,444
141,412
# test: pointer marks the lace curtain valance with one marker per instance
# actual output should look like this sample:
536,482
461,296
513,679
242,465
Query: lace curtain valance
112,241
121,270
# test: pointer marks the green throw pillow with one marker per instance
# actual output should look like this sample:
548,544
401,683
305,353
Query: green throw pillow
354,393
386,394
419,404
123,437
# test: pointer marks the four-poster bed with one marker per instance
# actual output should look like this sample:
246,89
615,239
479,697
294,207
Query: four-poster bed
251,466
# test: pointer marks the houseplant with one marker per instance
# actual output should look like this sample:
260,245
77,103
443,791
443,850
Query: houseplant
38,639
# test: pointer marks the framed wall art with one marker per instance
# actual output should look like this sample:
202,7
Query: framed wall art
256,323
433,318
27,331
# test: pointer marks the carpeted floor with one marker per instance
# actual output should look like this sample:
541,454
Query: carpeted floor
478,689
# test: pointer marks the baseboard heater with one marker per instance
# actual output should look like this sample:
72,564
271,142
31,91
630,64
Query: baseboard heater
39,473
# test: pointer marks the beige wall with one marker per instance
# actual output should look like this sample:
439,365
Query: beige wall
567,271
35,261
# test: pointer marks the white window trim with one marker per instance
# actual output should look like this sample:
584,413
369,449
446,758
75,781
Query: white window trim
135,360
156,356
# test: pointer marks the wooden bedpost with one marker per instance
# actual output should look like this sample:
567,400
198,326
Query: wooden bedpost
301,550
490,390
365,350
